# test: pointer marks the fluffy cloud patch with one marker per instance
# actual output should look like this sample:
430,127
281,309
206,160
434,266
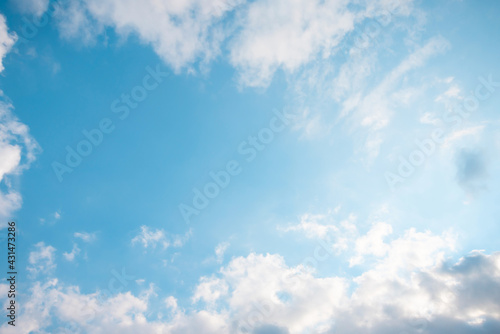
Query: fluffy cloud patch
412,286
71,255
17,147
290,34
287,34
42,259
261,36
18,150
180,32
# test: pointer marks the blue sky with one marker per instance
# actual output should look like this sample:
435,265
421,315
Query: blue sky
354,146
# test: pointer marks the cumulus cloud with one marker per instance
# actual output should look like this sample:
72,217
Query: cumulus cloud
372,243
210,290
410,286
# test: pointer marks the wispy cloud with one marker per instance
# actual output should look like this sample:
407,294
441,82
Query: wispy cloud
41,260
71,255
220,250
85,236
151,238
7,40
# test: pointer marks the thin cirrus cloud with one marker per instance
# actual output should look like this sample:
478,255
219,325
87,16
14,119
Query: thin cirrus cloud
180,32
258,39
85,236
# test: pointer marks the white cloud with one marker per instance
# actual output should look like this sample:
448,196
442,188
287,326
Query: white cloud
313,226
150,237
77,312
180,32
210,290
171,303
410,286
9,202
7,40
180,240
373,111
220,249
42,259
262,36
287,34
456,137
18,150
340,235
372,243
71,255
85,236
290,34
74,21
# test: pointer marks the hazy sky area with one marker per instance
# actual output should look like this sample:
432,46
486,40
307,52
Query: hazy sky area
250,167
